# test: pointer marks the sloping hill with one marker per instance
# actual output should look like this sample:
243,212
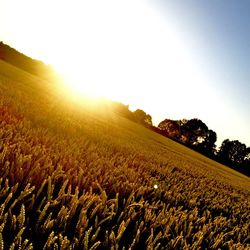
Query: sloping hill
81,177
17,59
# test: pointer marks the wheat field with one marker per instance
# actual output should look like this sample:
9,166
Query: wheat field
85,178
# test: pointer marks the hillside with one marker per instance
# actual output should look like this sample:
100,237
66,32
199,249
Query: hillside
81,177
17,59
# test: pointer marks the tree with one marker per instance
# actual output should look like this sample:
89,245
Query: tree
170,128
182,122
195,131
247,157
208,146
2,52
122,110
233,152
246,164
141,117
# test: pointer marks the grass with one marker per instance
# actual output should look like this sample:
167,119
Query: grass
81,177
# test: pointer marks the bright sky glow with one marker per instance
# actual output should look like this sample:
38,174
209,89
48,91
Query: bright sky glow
130,51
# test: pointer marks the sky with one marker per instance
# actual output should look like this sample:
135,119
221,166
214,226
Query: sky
173,59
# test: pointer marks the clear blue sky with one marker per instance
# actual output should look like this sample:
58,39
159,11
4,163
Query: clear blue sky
219,32
172,58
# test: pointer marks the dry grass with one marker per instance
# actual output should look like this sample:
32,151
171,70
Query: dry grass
84,179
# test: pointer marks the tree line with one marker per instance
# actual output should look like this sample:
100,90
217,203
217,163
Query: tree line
21,61
195,134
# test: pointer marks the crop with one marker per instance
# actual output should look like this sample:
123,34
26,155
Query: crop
75,178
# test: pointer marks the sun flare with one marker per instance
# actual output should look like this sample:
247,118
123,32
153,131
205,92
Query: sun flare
122,58
124,51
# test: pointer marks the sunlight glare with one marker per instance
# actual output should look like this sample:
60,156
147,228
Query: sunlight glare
125,51
121,52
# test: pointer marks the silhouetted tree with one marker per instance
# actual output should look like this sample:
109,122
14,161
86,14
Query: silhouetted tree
247,157
233,152
182,122
122,110
141,117
2,51
208,146
195,131
210,141
170,128
246,165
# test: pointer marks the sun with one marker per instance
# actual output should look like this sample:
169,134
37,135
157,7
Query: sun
139,60
79,81
126,51
110,55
